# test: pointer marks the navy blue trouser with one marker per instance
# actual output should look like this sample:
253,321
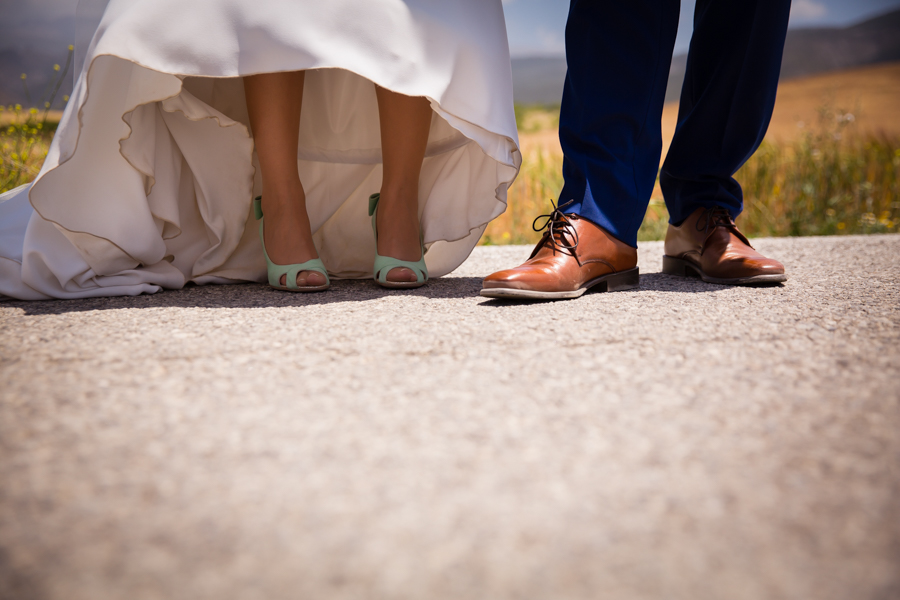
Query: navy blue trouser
619,53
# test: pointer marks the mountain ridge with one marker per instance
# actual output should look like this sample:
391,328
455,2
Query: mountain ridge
536,80
808,51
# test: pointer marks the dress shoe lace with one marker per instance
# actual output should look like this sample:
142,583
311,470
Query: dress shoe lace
720,217
560,233
715,217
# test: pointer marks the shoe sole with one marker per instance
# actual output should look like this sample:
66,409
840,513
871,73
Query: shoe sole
683,268
613,282
401,285
302,290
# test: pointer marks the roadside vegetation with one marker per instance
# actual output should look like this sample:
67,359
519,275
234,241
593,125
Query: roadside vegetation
831,180
26,132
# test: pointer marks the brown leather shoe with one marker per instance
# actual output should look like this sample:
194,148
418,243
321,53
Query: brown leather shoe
708,245
573,256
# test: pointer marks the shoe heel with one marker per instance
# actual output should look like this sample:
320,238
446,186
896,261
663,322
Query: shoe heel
678,267
384,264
626,280
274,271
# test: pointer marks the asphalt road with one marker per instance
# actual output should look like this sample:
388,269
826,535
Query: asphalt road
680,441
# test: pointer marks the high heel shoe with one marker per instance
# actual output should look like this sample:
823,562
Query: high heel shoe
384,264
290,272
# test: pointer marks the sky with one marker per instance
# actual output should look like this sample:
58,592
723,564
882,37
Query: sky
537,27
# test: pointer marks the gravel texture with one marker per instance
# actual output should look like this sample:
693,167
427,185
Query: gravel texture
680,441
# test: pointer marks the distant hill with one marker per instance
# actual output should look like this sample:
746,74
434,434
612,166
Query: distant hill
33,47
538,80
812,51
870,93
39,67
807,52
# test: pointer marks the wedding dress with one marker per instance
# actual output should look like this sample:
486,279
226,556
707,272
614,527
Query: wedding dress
149,181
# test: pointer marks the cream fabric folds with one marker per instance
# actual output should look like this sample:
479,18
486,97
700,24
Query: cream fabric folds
149,181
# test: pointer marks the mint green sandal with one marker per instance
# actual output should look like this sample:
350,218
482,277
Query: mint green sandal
289,271
384,264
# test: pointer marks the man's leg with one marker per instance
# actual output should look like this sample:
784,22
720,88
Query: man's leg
726,103
618,55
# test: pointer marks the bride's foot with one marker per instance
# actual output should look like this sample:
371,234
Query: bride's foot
397,220
285,216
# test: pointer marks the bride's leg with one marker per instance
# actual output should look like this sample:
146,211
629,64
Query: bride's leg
273,101
405,122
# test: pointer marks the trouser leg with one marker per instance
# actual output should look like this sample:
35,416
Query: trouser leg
726,102
618,53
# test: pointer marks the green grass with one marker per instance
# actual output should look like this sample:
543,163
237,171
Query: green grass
24,140
26,133
535,117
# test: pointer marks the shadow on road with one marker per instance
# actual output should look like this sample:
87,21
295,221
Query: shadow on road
252,295
660,282
650,282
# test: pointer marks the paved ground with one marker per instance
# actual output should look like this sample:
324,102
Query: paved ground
682,441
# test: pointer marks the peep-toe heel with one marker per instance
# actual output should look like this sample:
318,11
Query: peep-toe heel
384,264
289,272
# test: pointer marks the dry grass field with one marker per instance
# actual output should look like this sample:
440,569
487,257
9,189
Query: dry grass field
25,137
871,94
8,116
830,162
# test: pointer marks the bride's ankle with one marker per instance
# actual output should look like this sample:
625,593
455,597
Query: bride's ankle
283,200
398,211
399,197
